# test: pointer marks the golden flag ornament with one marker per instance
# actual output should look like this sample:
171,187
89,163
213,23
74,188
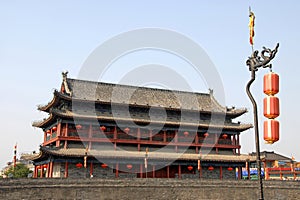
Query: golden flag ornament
251,26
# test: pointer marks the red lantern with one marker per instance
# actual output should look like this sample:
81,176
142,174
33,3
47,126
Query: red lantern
185,133
38,167
78,126
129,166
104,166
210,168
54,128
190,168
79,165
102,128
45,166
271,83
127,130
271,131
271,107
224,136
206,134
230,168
48,131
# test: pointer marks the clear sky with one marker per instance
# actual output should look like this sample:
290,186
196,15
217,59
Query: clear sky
40,39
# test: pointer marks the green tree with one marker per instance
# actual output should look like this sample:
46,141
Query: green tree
20,171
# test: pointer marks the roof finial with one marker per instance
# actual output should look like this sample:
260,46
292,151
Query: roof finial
65,83
65,75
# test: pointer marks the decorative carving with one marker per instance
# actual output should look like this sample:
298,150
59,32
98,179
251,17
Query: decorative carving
65,83
255,61
65,75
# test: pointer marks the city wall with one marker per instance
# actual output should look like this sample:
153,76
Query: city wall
144,189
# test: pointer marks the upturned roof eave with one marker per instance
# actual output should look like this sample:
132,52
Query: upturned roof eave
43,123
55,99
58,95
141,155
234,127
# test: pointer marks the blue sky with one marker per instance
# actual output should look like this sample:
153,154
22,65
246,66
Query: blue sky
39,40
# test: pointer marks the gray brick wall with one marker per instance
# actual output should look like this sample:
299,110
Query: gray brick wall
74,172
99,172
144,189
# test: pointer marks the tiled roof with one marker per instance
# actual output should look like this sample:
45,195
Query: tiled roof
139,97
142,96
33,156
80,152
271,155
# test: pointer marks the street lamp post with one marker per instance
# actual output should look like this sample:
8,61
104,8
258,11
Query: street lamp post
255,62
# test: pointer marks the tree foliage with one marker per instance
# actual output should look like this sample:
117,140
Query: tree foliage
20,171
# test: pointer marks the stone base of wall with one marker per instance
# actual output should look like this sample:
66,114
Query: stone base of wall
144,189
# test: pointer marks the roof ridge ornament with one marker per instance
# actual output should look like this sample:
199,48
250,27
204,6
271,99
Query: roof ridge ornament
255,61
65,83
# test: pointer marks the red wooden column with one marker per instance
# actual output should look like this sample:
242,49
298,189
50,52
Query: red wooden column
150,135
216,142
51,130
216,138
280,174
176,141
115,133
153,171
90,135
233,140
239,173
248,169
66,169
59,129
48,171
221,173
179,171
51,170
66,135
117,170
141,170
91,169
115,137
265,167
58,133
238,143
267,174
45,136
45,171
200,172
42,171
197,142
138,137
168,171
67,130
165,136
90,130
35,172
138,134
